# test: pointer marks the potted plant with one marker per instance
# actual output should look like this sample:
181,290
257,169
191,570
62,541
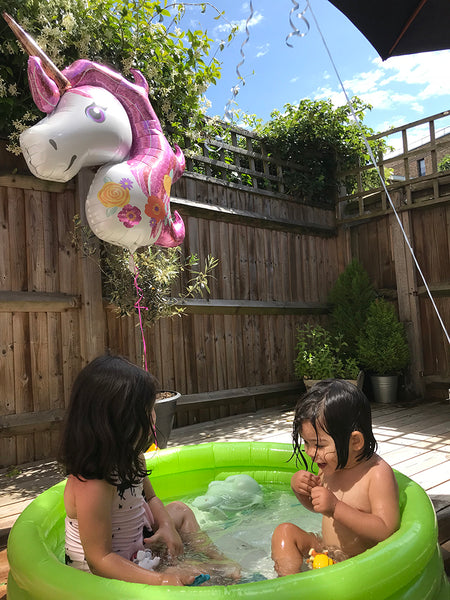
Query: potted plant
151,274
320,355
349,301
383,349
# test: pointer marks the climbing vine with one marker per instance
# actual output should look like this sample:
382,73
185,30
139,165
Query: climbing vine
324,141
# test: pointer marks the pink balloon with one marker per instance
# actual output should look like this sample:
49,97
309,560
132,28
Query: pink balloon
128,203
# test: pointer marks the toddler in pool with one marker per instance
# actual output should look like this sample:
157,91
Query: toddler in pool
355,490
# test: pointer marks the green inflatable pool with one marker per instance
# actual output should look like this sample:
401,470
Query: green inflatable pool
406,566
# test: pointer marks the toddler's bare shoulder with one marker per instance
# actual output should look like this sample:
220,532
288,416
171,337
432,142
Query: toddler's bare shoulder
381,470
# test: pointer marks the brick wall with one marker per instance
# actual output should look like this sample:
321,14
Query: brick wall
422,153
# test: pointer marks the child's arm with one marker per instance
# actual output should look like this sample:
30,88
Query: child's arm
384,516
302,482
93,500
163,526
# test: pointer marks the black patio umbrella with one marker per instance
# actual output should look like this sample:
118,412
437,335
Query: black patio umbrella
396,27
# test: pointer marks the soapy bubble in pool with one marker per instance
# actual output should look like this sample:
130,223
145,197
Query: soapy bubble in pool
245,536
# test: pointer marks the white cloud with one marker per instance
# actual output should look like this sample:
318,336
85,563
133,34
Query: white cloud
391,124
242,24
294,79
401,81
337,98
262,50
429,70
363,82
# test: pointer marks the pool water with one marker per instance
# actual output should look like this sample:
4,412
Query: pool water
245,537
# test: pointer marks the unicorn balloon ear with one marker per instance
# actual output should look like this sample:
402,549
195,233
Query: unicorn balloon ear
44,90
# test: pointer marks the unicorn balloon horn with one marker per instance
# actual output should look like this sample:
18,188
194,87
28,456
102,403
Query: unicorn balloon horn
33,49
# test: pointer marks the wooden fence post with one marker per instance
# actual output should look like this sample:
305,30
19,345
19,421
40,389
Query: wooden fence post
408,299
92,316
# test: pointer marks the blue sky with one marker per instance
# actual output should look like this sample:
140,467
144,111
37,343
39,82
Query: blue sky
401,89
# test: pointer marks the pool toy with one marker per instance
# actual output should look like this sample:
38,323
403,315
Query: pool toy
146,559
407,566
235,494
318,560
200,579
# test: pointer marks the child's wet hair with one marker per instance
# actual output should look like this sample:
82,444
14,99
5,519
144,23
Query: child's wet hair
339,408
108,422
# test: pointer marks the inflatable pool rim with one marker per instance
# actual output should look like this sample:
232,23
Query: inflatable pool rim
408,564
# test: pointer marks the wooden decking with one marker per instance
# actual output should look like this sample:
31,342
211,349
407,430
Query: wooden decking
413,439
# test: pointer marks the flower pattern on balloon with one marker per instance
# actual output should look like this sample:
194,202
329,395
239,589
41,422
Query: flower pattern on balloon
167,183
113,194
155,208
126,183
130,216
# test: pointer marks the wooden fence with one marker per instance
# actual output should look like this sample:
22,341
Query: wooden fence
422,205
232,352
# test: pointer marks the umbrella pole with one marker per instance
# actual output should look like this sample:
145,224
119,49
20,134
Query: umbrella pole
407,26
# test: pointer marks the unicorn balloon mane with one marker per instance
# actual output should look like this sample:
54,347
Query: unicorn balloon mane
97,117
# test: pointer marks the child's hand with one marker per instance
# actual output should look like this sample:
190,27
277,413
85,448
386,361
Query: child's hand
177,579
323,501
166,536
183,574
303,482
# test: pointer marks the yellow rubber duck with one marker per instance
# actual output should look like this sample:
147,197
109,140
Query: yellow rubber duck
318,560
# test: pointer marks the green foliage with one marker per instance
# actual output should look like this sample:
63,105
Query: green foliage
159,270
320,355
444,164
382,345
123,34
13,471
350,298
323,140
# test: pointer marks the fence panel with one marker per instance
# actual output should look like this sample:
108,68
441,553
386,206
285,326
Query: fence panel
229,353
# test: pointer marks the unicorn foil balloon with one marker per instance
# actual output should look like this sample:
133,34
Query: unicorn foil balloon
97,117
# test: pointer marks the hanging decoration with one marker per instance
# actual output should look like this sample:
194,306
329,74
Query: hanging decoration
228,116
301,15
97,117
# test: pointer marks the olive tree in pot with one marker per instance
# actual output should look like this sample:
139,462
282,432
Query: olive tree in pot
158,270
383,349
320,355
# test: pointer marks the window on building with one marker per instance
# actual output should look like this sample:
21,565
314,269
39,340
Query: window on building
421,167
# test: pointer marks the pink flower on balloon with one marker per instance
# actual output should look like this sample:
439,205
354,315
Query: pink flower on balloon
155,208
130,216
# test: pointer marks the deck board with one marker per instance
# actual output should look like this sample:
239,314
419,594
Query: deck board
415,440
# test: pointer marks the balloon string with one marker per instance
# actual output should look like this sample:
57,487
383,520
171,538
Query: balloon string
383,183
139,308
295,30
